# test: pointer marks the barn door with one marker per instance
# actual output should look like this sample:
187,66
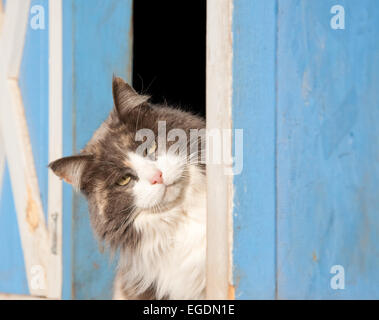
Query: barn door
31,260
327,149
305,92
57,59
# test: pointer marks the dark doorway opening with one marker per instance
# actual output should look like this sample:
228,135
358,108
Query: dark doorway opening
169,52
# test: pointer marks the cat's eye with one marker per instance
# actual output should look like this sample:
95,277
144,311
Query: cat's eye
152,148
124,181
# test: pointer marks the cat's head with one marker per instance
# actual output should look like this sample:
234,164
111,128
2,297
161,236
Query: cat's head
137,161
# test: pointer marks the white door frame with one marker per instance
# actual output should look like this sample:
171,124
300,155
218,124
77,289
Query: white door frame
219,116
41,241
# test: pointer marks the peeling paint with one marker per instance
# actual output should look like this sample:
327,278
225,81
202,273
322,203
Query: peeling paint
314,257
231,292
31,211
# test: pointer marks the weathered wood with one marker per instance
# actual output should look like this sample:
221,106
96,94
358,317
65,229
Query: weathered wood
254,102
219,104
97,43
14,130
327,157
55,193
86,39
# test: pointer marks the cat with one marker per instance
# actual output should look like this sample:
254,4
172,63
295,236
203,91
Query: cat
149,203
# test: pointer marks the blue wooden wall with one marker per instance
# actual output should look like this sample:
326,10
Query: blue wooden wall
254,51
307,97
97,42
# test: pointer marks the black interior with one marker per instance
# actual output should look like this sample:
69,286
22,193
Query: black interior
169,51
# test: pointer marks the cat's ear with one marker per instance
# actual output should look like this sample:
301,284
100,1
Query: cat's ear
125,97
70,169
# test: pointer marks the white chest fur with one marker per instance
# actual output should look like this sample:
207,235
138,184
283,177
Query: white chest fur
172,253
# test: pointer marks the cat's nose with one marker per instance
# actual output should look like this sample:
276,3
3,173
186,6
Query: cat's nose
157,178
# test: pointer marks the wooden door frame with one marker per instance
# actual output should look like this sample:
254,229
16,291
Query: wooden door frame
41,241
219,116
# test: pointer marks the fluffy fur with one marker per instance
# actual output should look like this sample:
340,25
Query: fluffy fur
159,228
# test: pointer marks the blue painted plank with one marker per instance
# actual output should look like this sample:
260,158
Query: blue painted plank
34,86
12,267
254,48
328,173
97,43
